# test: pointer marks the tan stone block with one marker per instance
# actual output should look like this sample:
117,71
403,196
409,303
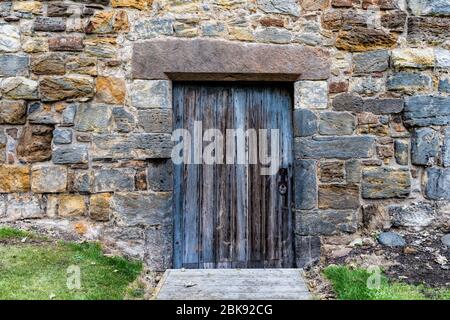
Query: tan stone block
239,33
137,4
28,6
110,90
108,22
413,58
100,206
14,178
71,205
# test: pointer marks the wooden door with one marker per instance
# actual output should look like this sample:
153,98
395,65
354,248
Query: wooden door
230,215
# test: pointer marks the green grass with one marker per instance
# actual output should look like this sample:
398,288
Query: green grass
40,271
351,284
11,233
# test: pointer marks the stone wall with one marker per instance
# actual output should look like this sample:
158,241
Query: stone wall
85,139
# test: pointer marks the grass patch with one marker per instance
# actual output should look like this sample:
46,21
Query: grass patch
41,271
11,233
351,284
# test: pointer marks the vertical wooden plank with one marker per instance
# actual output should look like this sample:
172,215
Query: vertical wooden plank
178,243
207,228
191,198
240,227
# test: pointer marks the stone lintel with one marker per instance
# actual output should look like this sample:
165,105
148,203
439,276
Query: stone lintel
203,59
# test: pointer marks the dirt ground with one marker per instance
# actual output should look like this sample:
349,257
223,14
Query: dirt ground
423,261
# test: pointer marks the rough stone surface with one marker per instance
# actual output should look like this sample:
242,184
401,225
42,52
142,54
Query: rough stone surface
334,147
48,64
156,120
311,94
93,117
424,146
147,94
135,146
14,178
150,59
384,183
383,106
429,7
9,38
402,152
368,62
413,58
446,148
305,123
66,88
328,222
34,144
13,65
110,90
133,208
19,88
71,205
442,58
100,206
391,239
427,111
331,171
348,102
446,240
364,39
106,180
408,82
290,7
337,123
70,154
25,206
416,215
48,179
62,136
309,246
305,184
160,177
12,112
437,184
375,217
338,196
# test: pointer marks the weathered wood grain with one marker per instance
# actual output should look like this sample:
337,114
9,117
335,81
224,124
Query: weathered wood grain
233,284
230,215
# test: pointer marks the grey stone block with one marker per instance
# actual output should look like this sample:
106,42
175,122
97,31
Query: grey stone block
305,123
424,146
423,111
437,184
409,82
337,123
13,65
307,250
305,184
70,154
138,146
334,147
109,180
401,149
446,148
369,62
326,223
140,208
159,246
160,175
62,136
